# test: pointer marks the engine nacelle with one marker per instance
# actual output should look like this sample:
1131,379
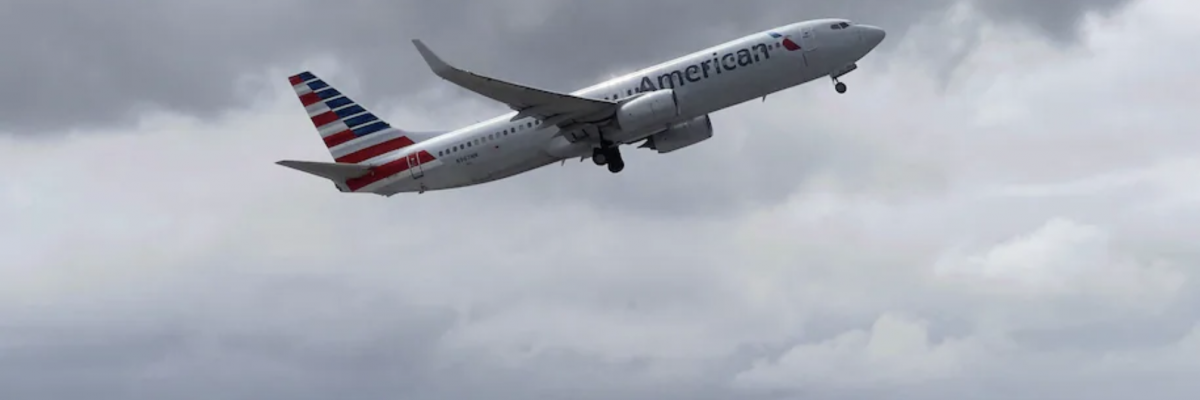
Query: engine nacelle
681,135
644,112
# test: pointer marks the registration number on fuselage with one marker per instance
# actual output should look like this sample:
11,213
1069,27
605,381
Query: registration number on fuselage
466,158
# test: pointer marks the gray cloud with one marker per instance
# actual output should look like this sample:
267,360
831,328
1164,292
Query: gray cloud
75,63
1058,19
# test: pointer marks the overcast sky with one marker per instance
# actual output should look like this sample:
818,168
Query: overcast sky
1003,206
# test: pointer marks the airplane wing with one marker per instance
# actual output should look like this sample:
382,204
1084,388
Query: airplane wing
545,105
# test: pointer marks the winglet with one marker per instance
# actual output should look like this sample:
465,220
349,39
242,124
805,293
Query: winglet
436,64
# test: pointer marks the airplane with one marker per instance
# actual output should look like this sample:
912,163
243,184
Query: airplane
665,107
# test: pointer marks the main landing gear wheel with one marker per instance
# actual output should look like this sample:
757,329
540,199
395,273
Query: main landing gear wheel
616,166
840,87
609,155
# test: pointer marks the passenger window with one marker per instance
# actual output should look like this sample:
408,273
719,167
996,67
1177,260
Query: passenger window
629,92
530,125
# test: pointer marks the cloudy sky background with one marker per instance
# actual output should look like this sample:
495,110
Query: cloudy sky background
1004,206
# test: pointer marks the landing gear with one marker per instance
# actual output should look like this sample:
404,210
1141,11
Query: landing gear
608,154
617,166
838,86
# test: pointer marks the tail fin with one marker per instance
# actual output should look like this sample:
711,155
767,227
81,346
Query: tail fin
352,134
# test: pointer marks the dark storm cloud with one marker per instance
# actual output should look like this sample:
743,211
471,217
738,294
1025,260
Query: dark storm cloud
75,62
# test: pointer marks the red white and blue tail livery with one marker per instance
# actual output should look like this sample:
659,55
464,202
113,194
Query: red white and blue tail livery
351,132
665,107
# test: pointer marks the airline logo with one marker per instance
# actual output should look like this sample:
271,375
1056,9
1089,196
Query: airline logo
701,70
787,41
719,63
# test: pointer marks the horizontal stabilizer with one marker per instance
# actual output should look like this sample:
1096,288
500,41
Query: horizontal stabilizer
338,172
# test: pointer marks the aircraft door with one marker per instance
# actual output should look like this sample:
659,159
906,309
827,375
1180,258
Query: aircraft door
414,165
808,39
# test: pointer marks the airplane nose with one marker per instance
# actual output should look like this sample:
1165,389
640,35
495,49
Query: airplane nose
873,35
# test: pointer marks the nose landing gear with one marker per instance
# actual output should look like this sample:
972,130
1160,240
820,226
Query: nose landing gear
839,86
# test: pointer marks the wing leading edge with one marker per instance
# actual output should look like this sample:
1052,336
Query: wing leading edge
550,107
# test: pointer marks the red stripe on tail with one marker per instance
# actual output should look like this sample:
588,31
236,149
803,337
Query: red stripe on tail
339,138
309,98
375,150
295,80
324,119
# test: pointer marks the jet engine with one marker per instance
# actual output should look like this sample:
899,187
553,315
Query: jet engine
680,135
644,112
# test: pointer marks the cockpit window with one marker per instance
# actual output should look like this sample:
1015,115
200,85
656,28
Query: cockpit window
844,25
835,26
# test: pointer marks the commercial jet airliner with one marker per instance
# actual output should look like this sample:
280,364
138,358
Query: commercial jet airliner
665,108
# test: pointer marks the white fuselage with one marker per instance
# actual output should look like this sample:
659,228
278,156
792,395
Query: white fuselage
705,81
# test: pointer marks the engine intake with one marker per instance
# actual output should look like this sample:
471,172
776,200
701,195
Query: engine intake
681,135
